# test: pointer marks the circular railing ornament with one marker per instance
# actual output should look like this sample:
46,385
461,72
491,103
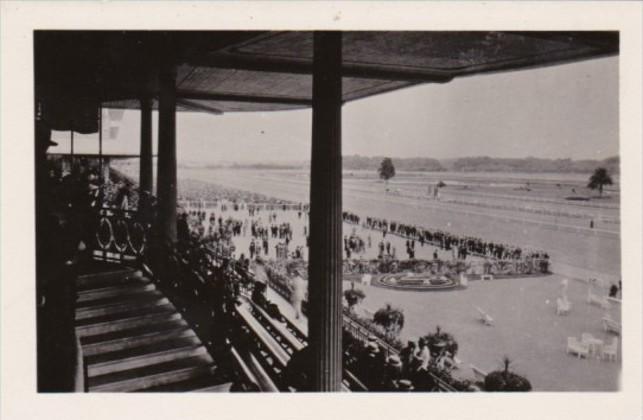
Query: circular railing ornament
121,235
105,233
137,238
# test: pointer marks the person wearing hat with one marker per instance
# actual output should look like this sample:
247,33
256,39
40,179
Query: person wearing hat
423,355
407,356
405,385
392,374
371,367
370,344
260,281
298,293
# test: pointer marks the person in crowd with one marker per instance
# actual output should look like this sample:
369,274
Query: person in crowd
123,196
392,374
423,356
299,292
408,357
252,249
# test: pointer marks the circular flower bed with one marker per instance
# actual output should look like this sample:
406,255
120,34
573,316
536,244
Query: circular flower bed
415,281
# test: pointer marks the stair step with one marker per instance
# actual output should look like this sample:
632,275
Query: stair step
119,307
130,312
136,339
114,291
168,344
127,323
152,376
134,296
104,279
203,383
144,356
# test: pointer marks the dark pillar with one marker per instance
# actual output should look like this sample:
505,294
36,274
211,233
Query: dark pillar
166,178
325,255
100,143
146,169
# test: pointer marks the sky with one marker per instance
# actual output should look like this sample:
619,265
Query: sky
563,111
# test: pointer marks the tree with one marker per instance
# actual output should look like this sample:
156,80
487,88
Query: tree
441,339
505,380
353,297
599,178
386,170
391,319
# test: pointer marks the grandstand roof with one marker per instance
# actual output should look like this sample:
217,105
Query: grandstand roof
241,71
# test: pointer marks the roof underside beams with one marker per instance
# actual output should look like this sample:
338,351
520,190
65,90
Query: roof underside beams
240,71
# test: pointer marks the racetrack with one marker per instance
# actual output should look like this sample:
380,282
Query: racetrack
575,249
526,327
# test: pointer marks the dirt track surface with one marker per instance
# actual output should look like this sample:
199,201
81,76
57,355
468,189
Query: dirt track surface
575,249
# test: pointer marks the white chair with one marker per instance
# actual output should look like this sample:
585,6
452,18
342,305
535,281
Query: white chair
464,280
563,307
594,344
485,318
593,299
366,279
478,373
609,325
576,347
610,350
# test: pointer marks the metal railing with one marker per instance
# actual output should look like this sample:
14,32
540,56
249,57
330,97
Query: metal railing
121,236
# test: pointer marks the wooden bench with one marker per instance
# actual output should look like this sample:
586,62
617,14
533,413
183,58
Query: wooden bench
264,337
280,327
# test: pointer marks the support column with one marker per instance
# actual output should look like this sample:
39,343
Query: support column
325,252
146,169
100,142
166,185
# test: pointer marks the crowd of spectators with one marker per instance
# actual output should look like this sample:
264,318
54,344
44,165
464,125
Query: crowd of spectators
462,245
417,367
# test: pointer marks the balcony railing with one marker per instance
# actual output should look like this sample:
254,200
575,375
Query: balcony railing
121,236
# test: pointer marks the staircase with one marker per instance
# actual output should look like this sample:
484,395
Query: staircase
133,338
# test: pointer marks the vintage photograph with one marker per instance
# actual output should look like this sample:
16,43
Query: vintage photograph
327,211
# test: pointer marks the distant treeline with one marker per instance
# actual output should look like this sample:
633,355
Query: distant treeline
244,165
484,164
357,162
530,164
467,164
